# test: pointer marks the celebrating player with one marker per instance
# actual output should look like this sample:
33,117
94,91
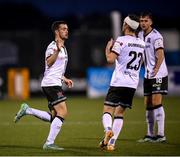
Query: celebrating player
127,52
55,65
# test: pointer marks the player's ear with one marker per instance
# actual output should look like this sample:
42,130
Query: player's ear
151,22
56,32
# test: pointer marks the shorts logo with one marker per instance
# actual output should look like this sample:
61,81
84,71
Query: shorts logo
60,94
158,80
156,85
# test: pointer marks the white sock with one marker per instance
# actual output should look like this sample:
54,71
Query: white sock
39,114
107,121
116,128
160,118
150,119
54,130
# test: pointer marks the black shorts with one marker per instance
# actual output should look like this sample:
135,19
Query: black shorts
156,86
122,96
54,95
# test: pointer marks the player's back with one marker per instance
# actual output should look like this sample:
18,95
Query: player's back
130,51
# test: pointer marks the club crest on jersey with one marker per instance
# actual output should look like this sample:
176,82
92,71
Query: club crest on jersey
148,40
116,44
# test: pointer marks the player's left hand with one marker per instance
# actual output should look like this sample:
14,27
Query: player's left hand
69,83
155,72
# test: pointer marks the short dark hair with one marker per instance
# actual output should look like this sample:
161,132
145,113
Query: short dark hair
134,17
146,13
55,25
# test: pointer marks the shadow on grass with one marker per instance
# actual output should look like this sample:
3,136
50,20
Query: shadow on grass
17,146
100,139
87,151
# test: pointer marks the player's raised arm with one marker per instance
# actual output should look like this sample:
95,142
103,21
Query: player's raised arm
110,56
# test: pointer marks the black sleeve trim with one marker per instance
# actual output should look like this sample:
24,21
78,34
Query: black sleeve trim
115,52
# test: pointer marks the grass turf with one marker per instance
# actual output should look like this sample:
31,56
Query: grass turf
82,130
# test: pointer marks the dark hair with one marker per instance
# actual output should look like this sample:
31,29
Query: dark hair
134,17
146,13
56,24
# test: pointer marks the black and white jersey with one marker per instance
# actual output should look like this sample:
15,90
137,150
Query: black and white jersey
53,75
154,41
130,51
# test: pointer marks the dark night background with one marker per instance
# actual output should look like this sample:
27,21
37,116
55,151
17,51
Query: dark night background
25,25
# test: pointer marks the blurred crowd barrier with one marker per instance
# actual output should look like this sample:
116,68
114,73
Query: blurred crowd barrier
18,83
87,63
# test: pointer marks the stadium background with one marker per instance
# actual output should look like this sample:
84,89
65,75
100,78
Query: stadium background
25,33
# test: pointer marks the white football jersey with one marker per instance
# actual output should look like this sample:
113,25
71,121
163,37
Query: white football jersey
154,41
130,51
53,75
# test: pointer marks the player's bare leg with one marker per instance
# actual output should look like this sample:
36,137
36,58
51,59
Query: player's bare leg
116,127
159,117
107,123
61,112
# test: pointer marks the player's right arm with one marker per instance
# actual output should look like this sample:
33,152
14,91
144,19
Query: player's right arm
52,57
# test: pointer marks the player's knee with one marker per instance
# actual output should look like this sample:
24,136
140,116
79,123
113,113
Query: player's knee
108,109
156,99
63,113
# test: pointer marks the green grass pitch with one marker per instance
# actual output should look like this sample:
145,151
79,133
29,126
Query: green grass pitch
83,130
